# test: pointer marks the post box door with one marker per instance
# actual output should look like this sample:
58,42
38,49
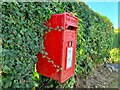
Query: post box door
70,48
69,52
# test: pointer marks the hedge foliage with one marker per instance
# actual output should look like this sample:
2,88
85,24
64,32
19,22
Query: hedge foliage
116,41
22,36
115,52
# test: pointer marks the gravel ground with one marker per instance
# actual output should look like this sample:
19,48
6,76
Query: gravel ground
103,76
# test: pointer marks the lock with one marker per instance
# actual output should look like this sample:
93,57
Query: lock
70,43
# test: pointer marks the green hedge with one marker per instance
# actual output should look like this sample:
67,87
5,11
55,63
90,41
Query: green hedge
23,29
116,41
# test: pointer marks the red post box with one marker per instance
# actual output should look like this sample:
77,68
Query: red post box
61,48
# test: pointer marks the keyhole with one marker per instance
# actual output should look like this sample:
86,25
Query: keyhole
70,43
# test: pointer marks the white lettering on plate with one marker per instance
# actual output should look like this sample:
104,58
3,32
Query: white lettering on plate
69,57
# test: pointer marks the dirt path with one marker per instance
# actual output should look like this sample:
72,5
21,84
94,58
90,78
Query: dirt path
101,77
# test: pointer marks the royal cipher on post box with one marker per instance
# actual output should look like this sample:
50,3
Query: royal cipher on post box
60,45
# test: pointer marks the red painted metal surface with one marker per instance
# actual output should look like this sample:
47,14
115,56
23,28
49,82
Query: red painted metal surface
61,48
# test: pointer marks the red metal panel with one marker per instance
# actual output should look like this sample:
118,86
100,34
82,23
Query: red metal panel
53,45
61,48
68,36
